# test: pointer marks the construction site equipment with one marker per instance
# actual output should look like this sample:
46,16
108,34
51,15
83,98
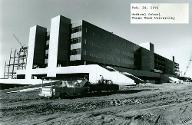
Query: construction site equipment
11,66
77,88
185,79
17,61
188,65
22,58
22,55
17,40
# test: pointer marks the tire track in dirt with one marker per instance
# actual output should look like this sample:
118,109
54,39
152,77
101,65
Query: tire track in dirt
35,106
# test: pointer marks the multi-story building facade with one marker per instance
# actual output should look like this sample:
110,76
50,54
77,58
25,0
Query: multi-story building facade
70,49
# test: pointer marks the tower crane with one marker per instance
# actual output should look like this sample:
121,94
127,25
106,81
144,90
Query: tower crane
22,54
18,40
188,65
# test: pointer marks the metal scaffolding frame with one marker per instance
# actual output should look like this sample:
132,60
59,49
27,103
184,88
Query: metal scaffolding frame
17,61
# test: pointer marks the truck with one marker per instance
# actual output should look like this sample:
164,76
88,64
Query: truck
76,88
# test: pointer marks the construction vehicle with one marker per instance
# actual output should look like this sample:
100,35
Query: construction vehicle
77,88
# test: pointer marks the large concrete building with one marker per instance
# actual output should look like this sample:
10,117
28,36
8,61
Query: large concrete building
81,49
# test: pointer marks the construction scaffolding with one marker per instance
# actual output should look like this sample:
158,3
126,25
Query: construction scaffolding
22,58
17,61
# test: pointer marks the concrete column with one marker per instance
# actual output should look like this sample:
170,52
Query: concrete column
31,47
59,44
36,49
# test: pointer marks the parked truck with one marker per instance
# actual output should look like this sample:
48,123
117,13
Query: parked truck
77,88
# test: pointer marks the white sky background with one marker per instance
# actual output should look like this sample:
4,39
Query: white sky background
17,16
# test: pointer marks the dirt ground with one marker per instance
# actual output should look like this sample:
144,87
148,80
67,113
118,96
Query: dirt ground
146,104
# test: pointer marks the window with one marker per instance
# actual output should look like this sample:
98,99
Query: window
76,29
46,61
46,51
47,42
75,51
76,40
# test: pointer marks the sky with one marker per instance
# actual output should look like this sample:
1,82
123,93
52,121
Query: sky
17,16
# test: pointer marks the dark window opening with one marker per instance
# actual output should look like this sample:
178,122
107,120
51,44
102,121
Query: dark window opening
20,76
75,51
76,40
76,29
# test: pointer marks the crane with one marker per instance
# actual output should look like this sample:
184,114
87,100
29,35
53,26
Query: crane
18,40
22,54
188,65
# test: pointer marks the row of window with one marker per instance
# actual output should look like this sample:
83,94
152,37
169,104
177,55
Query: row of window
110,57
113,47
75,40
114,52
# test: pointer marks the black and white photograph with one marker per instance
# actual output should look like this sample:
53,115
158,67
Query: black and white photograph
95,62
